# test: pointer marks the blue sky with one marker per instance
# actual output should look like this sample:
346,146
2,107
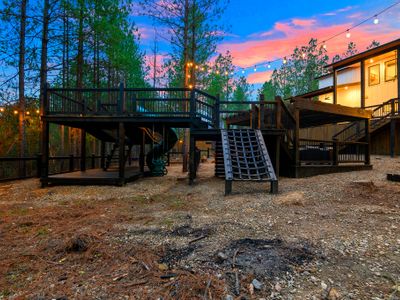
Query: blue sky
267,30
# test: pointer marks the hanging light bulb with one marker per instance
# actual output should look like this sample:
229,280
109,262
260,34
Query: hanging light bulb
376,20
37,111
226,73
284,60
232,73
190,86
269,66
348,34
28,113
202,69
255,68
217,72
324,45
1,109
243,71
197,67
15,112
303,55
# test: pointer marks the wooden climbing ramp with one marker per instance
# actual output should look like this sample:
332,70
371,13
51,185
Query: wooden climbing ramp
246,158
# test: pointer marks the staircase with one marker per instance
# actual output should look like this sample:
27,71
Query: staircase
246,158
219,160
381,116
113,158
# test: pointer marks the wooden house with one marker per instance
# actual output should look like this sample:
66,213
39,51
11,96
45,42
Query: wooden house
366,80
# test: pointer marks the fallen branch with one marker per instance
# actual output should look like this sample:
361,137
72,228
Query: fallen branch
207,287
198,239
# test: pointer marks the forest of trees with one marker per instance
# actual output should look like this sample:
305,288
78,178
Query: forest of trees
96,43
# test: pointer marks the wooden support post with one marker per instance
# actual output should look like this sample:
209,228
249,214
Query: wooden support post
253,116
261,123
83,150
192,159
103,154
362,85
274,187
368,141
297,137
278,114
335,158
93,162
71,163
38,165
398,77
334,86
277,156
192,106
121,159
228,187
141,154
392,128
45,138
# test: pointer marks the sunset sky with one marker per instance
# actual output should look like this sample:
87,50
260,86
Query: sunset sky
263,31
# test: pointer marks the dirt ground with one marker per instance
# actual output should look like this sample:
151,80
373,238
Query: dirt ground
331,237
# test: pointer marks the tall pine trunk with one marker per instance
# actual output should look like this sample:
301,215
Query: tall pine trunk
21,87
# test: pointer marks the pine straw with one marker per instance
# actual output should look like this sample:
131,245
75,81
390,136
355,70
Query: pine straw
79,256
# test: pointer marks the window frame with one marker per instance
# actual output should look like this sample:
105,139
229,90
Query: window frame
369,74
395,68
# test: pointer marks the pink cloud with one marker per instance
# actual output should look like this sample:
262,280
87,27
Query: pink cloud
285,36
259,77
304,22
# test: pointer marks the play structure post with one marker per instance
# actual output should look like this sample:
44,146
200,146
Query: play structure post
121,144
192,105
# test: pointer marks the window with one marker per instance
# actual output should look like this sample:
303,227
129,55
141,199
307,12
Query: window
374,75
390,70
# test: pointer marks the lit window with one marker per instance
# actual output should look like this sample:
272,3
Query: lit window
374,75
390,70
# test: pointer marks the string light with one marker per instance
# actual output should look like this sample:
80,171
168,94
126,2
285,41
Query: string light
373,18
1,109
38,111
232,73
28,113
15,112
190,86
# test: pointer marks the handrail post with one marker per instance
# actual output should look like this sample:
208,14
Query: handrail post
297,137
217,111
261,123
121,99
192,105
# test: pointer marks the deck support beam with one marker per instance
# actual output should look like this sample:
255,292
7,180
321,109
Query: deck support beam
192,159
121,159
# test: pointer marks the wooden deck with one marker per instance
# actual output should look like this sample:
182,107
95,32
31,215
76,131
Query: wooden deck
93,177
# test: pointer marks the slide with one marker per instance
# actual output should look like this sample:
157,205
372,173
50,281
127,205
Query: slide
153,156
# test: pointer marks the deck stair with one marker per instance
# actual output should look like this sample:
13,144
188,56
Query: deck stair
246,158
219,160
113,158
381,116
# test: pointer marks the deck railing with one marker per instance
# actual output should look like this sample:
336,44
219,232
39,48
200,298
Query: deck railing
380,115
138,102
332,152
28,167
